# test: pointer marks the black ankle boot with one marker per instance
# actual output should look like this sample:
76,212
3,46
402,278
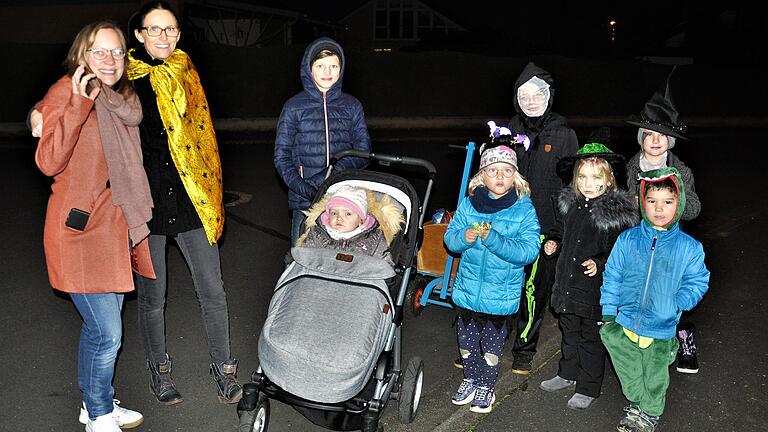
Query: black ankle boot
161,384
230,391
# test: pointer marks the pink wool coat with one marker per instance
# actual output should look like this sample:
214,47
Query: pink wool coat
98,259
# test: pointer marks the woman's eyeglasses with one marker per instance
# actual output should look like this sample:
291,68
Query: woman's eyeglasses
155,31
101,53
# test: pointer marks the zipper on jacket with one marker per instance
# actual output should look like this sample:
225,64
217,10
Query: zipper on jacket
327,133
647,282
482,275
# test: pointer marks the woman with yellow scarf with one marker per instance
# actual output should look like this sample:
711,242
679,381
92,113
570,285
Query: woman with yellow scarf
181,159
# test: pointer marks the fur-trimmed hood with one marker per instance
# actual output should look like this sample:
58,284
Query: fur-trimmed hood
386,211
614,210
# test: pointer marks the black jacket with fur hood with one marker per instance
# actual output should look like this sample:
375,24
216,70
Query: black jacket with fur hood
586,229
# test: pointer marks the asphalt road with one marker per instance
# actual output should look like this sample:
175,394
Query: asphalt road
39,329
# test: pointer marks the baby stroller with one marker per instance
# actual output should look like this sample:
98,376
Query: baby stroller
331,344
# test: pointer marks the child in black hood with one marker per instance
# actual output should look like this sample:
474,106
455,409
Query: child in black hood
551,139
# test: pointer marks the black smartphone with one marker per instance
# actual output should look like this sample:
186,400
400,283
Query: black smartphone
77,219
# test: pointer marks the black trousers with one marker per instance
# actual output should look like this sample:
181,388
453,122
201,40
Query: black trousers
533,304
583,354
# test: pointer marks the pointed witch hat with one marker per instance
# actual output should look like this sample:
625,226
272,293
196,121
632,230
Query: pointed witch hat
659,113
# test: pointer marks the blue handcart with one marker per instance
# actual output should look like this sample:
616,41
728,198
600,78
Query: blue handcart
437,290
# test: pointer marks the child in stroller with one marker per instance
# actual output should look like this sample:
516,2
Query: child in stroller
342,221
330,346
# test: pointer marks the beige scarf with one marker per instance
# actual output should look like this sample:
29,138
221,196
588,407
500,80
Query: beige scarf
118,119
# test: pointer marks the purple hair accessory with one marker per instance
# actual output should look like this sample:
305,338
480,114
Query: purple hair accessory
522,139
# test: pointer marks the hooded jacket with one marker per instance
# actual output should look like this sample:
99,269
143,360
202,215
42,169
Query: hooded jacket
692,203
653,275
551,140
490,275
313,126
586,229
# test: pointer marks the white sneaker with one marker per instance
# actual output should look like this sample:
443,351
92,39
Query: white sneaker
124,417
105,423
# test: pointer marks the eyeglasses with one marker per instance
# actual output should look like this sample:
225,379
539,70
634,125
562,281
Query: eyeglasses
101,53
493,172
155,31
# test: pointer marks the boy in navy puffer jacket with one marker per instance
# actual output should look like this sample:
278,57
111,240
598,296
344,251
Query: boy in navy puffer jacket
496,231
655,271
316,123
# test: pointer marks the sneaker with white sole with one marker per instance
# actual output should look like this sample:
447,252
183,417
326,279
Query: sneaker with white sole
483,401
124,417
105,423
465,393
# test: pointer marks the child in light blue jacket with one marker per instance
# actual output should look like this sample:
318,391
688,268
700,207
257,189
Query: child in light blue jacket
654,273
496,231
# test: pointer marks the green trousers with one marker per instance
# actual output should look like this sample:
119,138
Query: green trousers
644,373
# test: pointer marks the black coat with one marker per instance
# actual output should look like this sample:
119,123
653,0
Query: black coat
551,140
173,212
586,229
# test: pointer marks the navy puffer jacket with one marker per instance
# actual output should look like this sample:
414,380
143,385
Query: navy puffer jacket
313,126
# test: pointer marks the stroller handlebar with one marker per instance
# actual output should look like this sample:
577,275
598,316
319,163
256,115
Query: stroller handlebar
386,159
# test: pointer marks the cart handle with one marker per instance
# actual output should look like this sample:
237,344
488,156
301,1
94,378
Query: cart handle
387,159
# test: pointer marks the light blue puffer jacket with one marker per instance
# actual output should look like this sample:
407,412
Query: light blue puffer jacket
652,275
490,276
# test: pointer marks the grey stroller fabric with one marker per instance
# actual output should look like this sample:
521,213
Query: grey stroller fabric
328,322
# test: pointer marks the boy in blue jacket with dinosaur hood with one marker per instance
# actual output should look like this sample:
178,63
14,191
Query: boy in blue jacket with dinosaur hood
654,273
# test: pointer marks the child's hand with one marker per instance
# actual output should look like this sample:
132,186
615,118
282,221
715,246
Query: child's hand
482,229
591,267
550,246
470,235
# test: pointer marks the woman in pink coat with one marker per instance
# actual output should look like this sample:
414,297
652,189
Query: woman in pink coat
98,210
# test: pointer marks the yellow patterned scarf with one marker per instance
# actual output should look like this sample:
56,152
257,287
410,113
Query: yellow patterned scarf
191,139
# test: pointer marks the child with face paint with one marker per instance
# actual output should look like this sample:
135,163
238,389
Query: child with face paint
659,128
551,139
496,231
654,272
591,213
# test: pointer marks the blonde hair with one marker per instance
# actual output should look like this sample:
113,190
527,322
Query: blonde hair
518,182
83,42
601,165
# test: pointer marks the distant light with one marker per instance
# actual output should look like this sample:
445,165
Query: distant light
612,23
382,50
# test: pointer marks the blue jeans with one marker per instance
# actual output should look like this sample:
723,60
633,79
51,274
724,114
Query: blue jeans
100,338
297,219
204,263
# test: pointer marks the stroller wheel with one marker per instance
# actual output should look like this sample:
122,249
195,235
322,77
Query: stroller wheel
257,419
413,296
410,390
